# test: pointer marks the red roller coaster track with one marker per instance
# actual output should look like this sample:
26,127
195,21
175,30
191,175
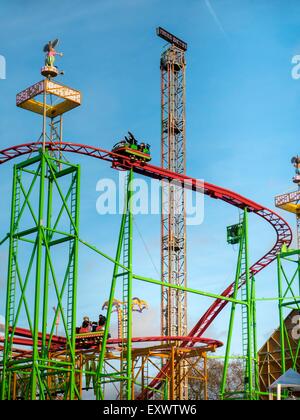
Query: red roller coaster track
282,229
23,337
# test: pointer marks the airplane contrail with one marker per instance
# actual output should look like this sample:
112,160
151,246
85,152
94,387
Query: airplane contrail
215,17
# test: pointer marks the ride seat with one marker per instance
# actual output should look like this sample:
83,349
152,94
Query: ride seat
84,330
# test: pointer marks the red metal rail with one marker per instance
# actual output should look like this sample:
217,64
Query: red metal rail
282,229
23,336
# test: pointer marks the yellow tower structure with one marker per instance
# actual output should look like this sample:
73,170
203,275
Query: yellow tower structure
291,201
51,100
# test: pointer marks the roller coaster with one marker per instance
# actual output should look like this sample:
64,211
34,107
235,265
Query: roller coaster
37,363
123,162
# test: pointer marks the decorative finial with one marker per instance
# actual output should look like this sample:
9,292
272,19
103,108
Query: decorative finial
50,70
296,163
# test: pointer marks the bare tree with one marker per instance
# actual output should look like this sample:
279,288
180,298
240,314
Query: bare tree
234,383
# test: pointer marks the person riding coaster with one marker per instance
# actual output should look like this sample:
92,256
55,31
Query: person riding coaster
130,146
87,326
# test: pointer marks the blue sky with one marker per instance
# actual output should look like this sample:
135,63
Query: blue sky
242,122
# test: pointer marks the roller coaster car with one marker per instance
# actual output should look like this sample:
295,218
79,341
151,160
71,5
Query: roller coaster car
234,233
88,339
131,148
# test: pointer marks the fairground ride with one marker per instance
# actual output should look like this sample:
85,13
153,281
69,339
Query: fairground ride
36,363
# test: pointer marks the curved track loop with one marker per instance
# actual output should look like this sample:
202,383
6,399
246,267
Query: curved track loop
23,337
282,229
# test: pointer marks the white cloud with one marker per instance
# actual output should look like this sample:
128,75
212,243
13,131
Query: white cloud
147,323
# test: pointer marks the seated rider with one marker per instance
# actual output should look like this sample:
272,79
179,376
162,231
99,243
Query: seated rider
101,323
132,139
86,325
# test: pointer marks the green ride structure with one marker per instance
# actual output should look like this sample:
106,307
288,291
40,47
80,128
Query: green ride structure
42,275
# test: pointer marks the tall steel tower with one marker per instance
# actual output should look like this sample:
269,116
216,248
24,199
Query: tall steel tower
173,219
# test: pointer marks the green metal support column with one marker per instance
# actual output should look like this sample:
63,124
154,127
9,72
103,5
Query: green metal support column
39,240
249,304
166,390
36,283
75,281
5,389
288,271
100,367
46,272
232,314
124,245
281,318
243,275
129,296
254,330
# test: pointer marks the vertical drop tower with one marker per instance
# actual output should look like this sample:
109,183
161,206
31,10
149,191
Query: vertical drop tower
173,219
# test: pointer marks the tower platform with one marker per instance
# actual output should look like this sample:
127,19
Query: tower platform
67,98
289,202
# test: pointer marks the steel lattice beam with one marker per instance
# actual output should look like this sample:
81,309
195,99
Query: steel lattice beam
173,220
282,229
